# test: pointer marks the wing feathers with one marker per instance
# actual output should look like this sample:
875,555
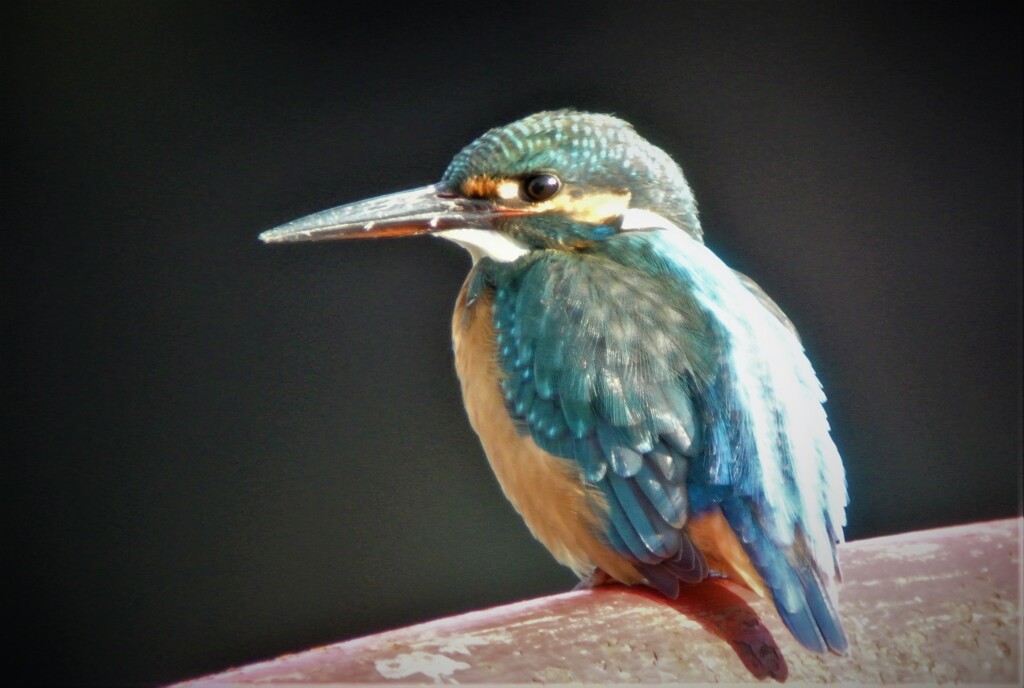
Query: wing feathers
676,393
668,498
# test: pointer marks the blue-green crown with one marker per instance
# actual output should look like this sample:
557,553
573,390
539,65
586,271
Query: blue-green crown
583,148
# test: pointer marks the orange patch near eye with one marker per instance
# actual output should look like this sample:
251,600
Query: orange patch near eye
477,187
483,186
593,207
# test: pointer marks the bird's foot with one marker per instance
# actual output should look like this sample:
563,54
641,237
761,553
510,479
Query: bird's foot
596,579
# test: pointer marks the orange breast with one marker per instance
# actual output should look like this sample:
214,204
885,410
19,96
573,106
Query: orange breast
549,492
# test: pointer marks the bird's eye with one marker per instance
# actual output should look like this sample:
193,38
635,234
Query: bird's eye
541,187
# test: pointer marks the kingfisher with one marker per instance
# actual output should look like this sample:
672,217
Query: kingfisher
648,411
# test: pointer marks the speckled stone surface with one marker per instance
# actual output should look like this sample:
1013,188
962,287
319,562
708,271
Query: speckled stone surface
937,606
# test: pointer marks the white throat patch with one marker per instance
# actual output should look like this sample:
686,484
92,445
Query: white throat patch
487,243
501,247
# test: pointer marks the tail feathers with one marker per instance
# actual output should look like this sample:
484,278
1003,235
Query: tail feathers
824,612
801,596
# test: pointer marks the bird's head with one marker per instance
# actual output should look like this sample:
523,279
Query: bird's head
562,180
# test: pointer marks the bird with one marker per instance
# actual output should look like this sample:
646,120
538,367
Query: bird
650,412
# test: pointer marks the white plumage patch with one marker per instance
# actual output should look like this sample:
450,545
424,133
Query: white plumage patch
486,243
638,218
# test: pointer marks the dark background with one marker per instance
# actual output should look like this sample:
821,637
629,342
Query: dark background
217,451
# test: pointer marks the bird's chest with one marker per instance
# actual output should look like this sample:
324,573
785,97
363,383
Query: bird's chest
562,511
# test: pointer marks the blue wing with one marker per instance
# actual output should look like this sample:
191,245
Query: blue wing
678,390
586,378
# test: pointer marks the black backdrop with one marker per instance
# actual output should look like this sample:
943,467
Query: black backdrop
218,451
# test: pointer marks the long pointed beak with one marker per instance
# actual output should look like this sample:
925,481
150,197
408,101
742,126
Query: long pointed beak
420,211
